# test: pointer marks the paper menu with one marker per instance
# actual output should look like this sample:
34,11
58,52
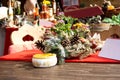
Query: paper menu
111,49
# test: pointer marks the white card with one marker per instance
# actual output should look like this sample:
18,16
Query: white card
111,49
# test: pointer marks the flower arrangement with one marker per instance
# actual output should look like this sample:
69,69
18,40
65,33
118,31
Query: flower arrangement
46,2
69,38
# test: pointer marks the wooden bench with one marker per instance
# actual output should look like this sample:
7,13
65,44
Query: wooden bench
84,12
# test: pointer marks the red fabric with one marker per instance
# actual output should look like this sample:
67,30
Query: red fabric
8,42
27,56
21,56
84,12
94,59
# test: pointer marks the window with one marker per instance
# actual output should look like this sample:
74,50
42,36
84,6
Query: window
70,2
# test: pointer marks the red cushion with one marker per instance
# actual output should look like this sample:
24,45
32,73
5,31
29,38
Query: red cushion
21,56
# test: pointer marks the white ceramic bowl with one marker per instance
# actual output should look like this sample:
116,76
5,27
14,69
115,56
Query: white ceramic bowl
44,60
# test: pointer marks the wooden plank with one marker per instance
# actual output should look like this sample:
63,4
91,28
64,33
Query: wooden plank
13,70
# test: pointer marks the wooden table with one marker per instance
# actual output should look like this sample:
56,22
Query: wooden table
16,70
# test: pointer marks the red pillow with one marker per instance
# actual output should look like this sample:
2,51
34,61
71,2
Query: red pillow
21,56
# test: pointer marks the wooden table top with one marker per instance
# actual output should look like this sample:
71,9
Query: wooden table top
17,70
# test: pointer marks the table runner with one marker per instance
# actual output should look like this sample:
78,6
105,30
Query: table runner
94,58
27,56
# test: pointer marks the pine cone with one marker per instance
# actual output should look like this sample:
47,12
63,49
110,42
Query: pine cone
40,45
65,42
74,40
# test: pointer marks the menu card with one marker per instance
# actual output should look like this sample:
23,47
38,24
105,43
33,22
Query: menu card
111,49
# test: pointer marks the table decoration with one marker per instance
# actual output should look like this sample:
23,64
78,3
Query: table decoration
68,39
96,23
100,26
44,60
114,20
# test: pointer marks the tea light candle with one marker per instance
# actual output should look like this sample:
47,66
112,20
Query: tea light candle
44,60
